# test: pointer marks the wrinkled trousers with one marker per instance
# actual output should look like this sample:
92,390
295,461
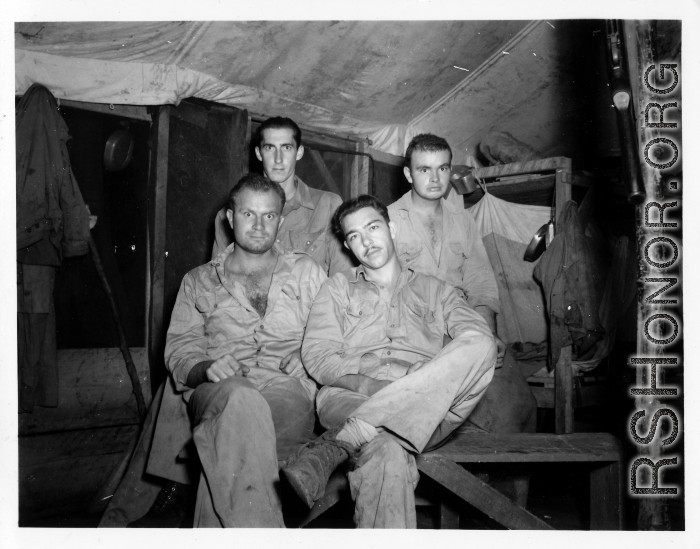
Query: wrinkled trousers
414,413
240,431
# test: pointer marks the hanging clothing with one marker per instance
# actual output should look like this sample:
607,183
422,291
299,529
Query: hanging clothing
567,274
52,223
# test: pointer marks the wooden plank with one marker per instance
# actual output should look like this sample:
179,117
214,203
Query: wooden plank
530,448
515,168
606,498
135,112
159,184
564,393
479,494
536,192
449,516
94,391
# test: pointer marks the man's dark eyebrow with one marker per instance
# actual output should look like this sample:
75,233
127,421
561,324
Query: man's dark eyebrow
373,221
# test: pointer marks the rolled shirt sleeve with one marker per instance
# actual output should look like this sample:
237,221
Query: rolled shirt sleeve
186,341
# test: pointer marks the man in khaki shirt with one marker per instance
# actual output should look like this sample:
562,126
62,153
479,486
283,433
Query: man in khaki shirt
307,211
433,236
233,351
374,340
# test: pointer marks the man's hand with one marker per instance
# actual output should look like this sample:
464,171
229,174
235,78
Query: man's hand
501,352
416,366
291,364
224,367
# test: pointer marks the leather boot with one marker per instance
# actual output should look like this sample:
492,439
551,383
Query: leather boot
170,508
309,469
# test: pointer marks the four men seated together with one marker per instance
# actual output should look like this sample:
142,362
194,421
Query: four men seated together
393,356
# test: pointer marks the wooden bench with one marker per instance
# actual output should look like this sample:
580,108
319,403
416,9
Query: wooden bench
601,453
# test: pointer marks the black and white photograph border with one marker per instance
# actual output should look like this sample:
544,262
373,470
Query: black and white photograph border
646,88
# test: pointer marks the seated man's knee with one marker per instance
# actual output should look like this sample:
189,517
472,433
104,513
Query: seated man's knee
213,398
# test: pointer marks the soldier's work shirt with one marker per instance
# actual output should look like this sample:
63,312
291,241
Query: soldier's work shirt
352,330
212,317
306,228
463,262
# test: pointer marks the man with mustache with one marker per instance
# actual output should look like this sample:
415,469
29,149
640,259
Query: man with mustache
374,340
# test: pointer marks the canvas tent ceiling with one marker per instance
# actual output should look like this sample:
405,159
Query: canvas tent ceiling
384,80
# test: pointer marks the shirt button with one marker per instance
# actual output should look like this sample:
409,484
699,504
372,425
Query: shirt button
298,297
262,327
388,352
308,242
360,313
278,240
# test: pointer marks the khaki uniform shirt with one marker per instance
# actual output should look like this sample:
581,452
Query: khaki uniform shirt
352,330
463,262
306,228
212,317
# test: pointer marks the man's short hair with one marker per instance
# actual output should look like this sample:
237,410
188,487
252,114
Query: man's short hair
278,123
426,142
353,205
257,183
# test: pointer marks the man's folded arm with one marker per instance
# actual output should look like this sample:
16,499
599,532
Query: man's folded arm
186,341
323,350
461,321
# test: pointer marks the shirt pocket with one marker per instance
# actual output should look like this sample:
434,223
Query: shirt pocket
205,303
360,318
456,260
305,241
409,252
422,323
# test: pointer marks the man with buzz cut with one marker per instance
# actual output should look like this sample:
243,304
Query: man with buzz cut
307,211
374,340
233,351
433,236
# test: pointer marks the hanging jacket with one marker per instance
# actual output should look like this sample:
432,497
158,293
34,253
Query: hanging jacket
568,276
50,208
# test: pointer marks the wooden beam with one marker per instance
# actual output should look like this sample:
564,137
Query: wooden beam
479,494
127,111
159,185
327,177
606,497
530,448
531,166
564,393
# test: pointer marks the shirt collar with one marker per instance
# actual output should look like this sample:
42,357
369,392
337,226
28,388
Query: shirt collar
407,274
301,198
406,204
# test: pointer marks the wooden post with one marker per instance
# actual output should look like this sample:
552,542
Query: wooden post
360,173
159,185
563,375
653,512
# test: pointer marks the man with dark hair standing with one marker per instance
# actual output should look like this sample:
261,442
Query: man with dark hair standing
232,349
374,340
307,212
435,237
